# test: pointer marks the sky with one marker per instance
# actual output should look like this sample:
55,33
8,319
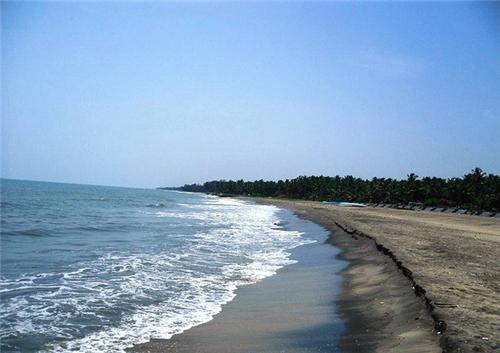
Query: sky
162,94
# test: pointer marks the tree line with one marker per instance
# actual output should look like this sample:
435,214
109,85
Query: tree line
475,190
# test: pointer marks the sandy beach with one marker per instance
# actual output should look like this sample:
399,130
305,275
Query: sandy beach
450,261
415,282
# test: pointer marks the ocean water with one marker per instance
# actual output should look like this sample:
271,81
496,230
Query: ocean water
98,269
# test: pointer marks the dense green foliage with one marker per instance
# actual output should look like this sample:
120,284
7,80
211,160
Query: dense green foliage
475,190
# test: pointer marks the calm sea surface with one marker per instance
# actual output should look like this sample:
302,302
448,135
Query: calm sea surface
97,269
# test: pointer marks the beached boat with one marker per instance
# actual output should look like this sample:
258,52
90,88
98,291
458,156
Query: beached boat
345,204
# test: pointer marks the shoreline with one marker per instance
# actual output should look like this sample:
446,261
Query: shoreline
291,311
449,262
415,282
377,304
379,318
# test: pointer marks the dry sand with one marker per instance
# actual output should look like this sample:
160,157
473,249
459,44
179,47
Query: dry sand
451,260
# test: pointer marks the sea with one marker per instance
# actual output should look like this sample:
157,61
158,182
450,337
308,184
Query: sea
98,269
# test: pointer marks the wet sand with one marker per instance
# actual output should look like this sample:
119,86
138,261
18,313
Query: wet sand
451,261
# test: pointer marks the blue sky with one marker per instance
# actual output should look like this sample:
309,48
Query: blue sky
150,94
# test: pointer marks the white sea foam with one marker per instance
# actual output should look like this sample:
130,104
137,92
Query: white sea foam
156,293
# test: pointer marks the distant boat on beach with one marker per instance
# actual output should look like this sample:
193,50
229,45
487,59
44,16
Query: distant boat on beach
345,204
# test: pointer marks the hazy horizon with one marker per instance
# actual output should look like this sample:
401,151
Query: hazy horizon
234,179
166,94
